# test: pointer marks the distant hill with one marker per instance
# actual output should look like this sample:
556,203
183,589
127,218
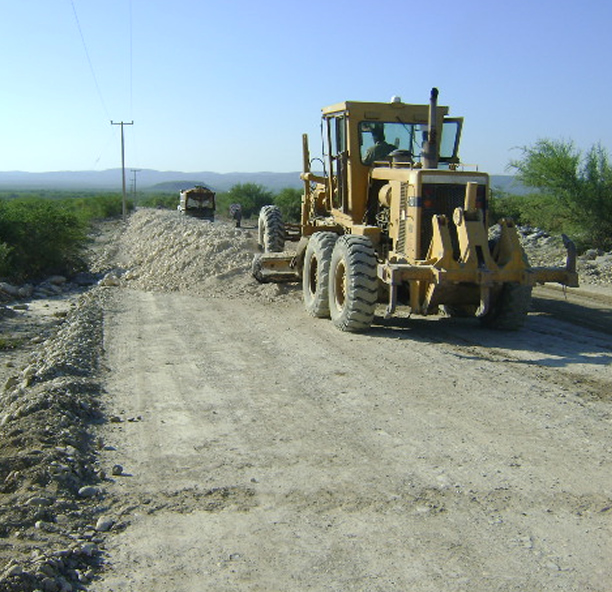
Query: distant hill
146,179
176,186
152,180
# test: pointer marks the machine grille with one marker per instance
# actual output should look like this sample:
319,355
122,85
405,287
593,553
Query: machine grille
403,209
443,198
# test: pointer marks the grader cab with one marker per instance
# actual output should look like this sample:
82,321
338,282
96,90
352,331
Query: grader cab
395,217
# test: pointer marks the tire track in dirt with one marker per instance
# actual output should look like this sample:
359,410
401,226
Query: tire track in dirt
423,455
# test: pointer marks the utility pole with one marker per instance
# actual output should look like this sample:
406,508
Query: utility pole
134,171
123,203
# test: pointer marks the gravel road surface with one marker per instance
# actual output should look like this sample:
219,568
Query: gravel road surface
274,453
246,446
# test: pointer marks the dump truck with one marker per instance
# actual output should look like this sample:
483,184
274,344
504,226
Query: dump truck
394,217
199,201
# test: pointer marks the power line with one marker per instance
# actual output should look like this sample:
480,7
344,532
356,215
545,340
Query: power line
104,149
131,33
131,60
91,68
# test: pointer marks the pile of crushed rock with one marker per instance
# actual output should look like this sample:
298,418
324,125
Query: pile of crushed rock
162,250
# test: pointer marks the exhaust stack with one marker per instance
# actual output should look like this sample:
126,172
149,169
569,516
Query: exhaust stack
430,146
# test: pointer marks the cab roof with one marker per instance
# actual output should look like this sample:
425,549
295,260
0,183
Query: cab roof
406,112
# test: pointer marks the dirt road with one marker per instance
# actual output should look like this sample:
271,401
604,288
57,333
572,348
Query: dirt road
264,450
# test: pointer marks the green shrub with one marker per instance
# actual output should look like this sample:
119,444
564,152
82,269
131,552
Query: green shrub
574,191
503,205
97,206
159,200
39,237
5,259
249,195
533,209
289,201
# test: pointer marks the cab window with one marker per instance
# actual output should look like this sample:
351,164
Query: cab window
378,139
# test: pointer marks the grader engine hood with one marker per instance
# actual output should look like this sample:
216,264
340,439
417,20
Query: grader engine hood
415,196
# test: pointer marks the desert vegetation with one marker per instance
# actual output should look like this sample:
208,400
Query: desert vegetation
571,192
46,232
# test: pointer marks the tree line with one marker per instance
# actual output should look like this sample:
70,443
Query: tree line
251,196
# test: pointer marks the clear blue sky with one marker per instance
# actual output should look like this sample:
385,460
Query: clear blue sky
231,85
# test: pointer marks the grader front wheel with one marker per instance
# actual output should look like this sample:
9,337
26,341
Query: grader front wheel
510,306
271,230
353,285
315,275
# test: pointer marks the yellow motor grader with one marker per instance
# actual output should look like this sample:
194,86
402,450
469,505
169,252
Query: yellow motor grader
396,218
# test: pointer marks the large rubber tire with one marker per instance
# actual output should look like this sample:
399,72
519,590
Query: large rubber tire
353,285
271,230
509,309
315,273
256,269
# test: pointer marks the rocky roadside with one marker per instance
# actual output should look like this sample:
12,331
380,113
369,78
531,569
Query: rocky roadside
51,489
594,266
55,509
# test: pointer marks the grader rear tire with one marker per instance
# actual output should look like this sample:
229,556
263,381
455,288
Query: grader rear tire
315,274
508,311
271,230
353,285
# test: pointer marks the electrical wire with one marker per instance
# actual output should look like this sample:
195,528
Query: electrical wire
131,62
93,71
91,68
111,137
131,33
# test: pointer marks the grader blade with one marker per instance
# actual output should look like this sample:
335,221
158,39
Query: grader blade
275,267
